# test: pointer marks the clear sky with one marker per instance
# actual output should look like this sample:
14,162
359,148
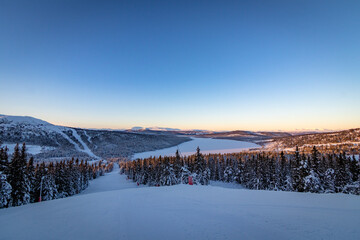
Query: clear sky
221,65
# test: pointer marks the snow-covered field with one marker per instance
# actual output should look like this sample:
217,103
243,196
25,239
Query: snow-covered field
32,149
115,208
207,145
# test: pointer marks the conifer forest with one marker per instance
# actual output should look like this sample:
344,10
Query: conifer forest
299,172
23,182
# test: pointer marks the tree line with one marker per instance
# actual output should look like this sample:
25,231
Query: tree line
21,180
316,172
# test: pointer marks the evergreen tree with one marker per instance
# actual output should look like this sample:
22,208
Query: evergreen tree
201,174
295,171
18,178
177,166
30,171
282,172
5,187
5,191
341,174
313,179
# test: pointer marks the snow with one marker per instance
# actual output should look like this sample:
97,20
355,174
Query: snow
23,120
112,181
32,149
115,208
34,123
207,145
88,137
85,149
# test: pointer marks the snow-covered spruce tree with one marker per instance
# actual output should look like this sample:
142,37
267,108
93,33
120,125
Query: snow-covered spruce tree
353,185
354,169
4,160
229,172
69,178
5,191
201,173
49,189
295,170
342,176
76,176
18,178
5,187
313,179
30,171
177,166
272,181
304,171
185,173
212,168
282,174
220,168
60,179
144,174
167,177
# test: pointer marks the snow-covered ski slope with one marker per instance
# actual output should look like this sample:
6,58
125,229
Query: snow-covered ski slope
40,128
115,208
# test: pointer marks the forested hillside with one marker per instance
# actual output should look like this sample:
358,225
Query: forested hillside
57,142
347,140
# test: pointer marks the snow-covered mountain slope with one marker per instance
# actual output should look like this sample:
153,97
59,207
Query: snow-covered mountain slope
36,132
59,142
125,211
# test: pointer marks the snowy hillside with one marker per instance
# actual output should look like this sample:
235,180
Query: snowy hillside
115,208
52,142
346,140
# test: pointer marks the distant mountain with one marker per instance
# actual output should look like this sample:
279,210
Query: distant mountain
154,129
57,142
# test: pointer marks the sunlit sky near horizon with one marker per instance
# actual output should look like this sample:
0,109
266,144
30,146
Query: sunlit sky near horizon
219,65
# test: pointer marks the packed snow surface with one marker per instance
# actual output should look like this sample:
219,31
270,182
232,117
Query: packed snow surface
207,145
115,208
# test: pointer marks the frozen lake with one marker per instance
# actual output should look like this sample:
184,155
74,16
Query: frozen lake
207,145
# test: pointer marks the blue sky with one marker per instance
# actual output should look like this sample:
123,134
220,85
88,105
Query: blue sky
222,65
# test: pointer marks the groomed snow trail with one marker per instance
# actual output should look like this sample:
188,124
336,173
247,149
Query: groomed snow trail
113,208
110,182
86,148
